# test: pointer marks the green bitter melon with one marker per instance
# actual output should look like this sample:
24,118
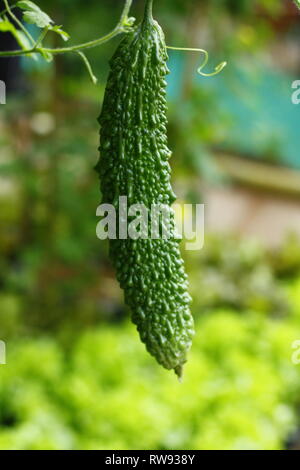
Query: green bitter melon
134,163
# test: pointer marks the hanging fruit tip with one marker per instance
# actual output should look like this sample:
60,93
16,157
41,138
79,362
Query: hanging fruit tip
179,372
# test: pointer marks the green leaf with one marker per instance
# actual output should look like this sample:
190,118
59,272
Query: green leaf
40,18
6,26
24,43
34,15
57,29
27,5
22,40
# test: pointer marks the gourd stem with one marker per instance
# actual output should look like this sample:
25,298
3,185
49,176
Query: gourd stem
148,9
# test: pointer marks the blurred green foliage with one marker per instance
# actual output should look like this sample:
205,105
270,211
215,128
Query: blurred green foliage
237,274
239,390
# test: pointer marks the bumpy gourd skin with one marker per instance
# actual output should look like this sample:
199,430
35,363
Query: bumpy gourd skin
134,163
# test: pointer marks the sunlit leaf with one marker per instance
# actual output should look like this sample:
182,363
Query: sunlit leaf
24,43
40,18
27,5
6,26
21,38
34,15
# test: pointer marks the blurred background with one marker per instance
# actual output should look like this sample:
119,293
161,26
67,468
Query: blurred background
77,376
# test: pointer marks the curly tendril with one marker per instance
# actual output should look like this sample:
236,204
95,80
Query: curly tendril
218,68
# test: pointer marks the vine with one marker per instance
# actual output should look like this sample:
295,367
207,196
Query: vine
32,14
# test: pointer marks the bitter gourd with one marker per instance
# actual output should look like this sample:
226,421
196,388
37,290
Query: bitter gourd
134,163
